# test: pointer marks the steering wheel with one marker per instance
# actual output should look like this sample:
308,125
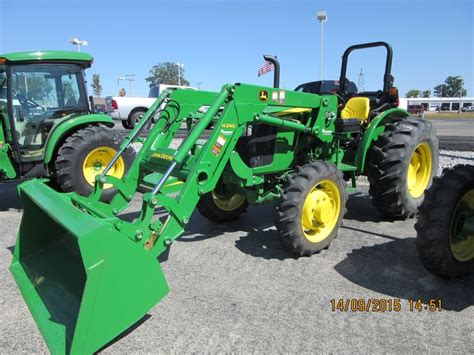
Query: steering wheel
24,101
342,101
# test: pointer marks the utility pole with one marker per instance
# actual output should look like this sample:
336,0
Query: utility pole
130,78
180,66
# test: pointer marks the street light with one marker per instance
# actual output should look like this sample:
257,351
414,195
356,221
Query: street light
78,42
180,65
322,17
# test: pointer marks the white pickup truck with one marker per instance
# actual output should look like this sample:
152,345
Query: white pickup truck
130,109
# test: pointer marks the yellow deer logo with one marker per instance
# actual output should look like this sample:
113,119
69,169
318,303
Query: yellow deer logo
263,95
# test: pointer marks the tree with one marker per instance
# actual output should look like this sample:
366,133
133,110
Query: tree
166,73
413,93
96,86
452,87
426,93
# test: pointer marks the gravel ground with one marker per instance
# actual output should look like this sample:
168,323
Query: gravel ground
450,158
235,289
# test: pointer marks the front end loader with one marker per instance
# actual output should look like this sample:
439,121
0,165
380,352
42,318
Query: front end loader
87,272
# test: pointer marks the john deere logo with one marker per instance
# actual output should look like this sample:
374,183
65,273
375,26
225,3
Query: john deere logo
263,95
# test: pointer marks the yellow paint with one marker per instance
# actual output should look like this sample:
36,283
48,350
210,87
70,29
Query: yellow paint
291,111
228,203
229,125
162,156
419,170
321,211
462,249
174,183
96,161
357,107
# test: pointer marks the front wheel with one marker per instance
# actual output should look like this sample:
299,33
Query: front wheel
312,208
84,155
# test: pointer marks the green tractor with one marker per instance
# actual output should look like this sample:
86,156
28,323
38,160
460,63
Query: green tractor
88,273
48,128
445,226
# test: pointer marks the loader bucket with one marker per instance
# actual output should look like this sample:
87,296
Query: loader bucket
84,283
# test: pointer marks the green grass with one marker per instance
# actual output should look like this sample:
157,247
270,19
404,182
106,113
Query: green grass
437,115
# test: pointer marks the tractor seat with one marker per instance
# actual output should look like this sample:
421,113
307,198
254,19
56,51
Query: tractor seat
357,107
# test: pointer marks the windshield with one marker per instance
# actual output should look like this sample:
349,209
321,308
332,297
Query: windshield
42,95
48,88
154,91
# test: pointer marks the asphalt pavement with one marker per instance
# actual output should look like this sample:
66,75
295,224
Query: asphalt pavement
455,133
234,288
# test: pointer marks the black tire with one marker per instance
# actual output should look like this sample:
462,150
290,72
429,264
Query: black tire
126,124
289,212
208,208
388,166
434,224
134,118
73,152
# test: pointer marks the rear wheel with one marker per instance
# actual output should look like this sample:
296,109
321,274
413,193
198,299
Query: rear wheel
84,155
445,227
402,164
220,207
312,208
126,124
134,118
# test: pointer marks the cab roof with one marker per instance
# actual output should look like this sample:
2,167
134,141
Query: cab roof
46,56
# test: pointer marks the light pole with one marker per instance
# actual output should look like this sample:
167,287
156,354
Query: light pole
322,17
180,65
78,42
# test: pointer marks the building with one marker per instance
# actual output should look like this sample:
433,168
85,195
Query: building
437,103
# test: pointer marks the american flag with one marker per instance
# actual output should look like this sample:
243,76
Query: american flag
265,68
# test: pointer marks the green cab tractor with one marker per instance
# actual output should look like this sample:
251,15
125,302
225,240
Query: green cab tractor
88,272
48,128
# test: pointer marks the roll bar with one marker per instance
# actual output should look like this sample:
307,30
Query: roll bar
387,79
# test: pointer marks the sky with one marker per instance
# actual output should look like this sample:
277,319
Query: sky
223,41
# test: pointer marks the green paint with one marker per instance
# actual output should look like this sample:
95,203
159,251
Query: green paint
102,270
375,129
44,56
68,127
61,128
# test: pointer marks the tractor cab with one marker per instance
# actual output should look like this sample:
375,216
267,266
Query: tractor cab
38,91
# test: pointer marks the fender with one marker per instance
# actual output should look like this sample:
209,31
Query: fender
70,125
372,133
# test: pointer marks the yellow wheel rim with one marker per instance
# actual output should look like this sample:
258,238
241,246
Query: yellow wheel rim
321,210
97,160
226,203
461,239
419,170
